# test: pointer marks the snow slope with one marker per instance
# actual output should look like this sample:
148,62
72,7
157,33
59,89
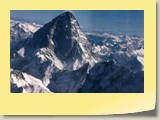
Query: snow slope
60,57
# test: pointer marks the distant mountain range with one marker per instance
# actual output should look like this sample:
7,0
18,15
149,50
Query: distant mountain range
60,58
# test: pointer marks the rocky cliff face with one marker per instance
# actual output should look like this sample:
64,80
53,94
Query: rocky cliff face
58,57
108,77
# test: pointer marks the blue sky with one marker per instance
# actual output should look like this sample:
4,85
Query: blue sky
121,21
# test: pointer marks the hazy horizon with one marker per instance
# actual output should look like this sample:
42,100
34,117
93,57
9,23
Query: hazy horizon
120,21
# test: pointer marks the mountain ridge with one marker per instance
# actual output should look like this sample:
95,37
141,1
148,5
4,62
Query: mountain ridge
60,48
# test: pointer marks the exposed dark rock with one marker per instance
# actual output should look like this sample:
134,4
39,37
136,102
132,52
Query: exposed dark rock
68,81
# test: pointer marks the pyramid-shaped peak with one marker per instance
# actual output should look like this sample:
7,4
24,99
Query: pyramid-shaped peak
65,19
62,35
68,14
65,16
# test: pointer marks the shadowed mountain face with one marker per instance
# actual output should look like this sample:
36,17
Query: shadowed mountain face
111,78
61,35
58,57
68,81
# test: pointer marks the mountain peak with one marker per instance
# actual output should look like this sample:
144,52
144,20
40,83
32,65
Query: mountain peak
62,35
64,18
67,14
60,28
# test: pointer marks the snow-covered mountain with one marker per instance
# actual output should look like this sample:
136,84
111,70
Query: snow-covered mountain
108,77
123,49
22,82
60,57
20,31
